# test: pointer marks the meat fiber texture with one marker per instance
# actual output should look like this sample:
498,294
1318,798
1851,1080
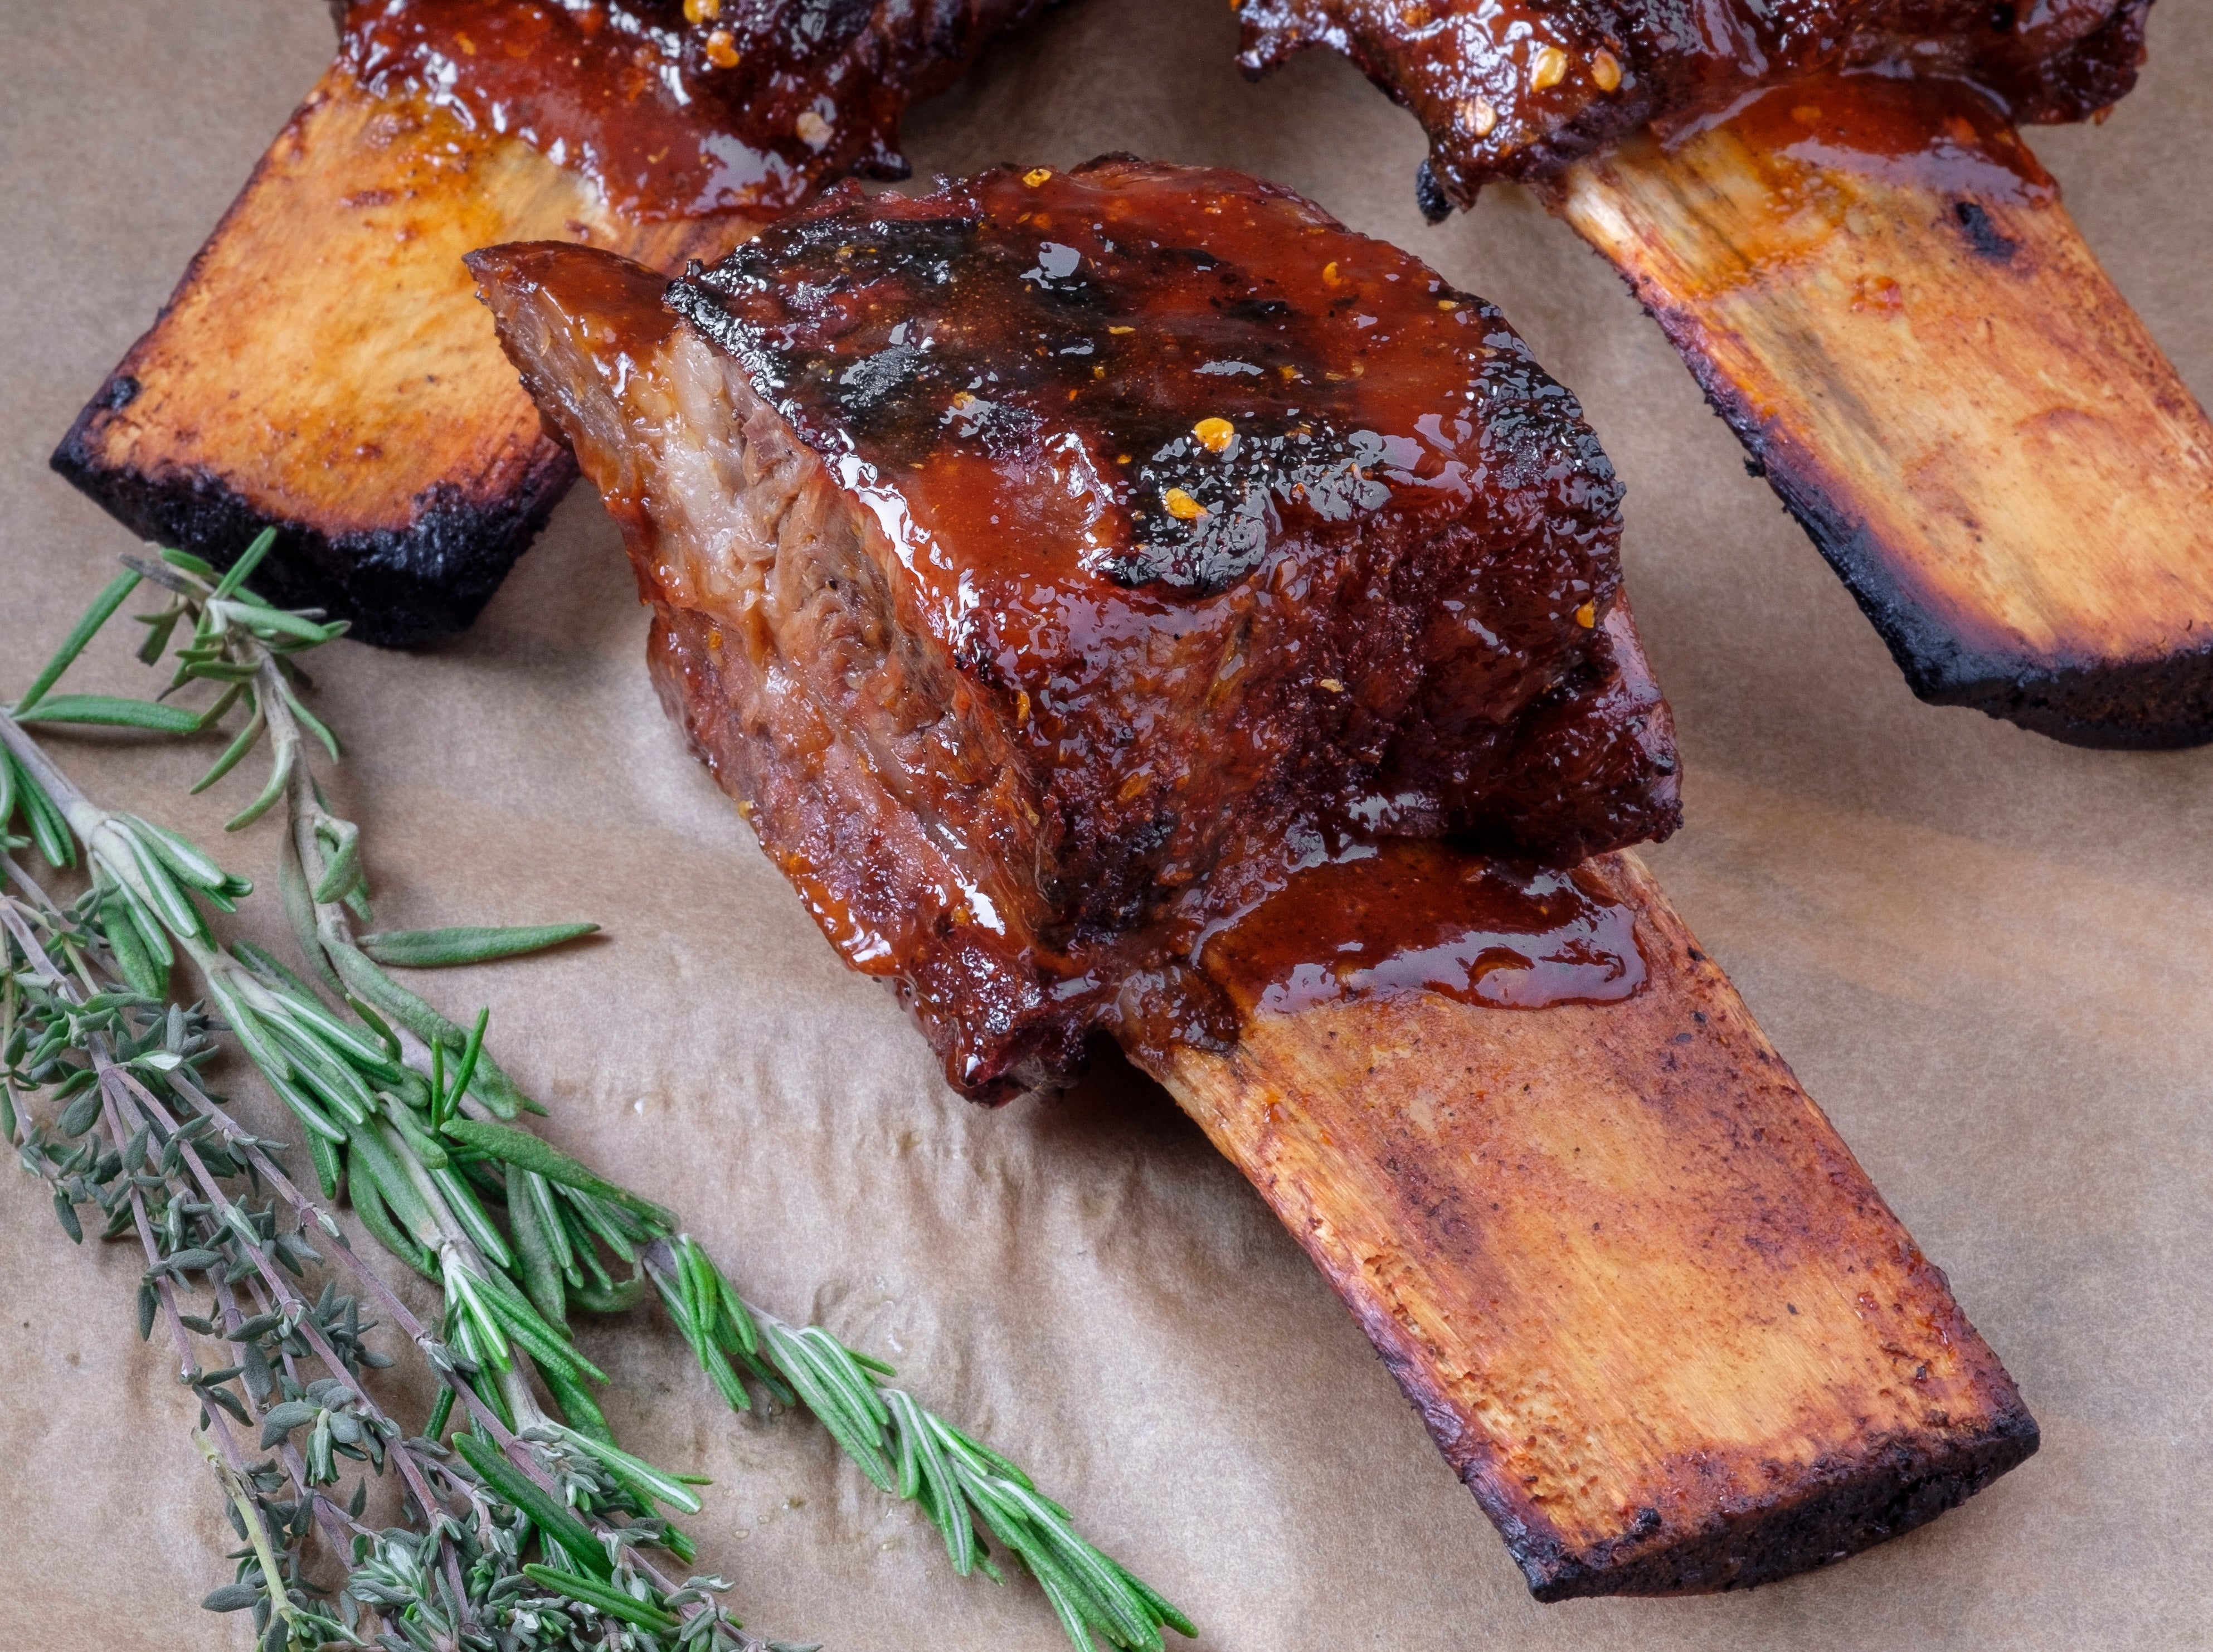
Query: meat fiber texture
1518,89
1048,563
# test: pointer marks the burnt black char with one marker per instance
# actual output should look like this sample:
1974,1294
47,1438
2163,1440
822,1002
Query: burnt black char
1049,563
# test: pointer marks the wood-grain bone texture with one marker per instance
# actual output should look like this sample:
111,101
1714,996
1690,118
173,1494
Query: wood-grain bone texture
1877,287
323,368
1651,1309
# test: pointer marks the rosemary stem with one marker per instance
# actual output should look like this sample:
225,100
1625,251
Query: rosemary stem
28,752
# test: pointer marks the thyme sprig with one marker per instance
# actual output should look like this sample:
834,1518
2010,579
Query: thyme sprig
409,1114
135,1136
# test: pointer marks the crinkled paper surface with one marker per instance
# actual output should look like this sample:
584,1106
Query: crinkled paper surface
1987,955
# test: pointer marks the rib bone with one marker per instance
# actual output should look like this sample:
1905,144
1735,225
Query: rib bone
1920,350
1652,1310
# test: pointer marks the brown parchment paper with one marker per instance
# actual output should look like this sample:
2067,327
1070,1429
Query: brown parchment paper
1987,955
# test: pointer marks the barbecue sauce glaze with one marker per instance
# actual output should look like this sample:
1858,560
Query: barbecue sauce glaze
1409,915
1048,388
680,110
1037,380
1801,145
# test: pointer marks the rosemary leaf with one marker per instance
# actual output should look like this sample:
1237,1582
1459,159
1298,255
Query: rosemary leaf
247,738
234,578
49,829
583,1547
437,949
532,1152
147,977
603,1599
106,711
101,610
535,1246
368,1205
278,776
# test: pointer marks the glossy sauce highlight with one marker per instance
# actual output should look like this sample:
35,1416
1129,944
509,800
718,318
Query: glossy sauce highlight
1933,134
1418,916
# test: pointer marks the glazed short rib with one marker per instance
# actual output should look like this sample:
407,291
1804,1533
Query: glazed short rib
1519,90
1124,598
320,368
1024,555
1826,206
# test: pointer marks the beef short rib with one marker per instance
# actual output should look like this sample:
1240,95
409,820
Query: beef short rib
320,368
1041,561
1126,597
1518,89
1826,205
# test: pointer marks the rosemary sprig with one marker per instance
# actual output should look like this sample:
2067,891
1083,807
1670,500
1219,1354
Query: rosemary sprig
407,1111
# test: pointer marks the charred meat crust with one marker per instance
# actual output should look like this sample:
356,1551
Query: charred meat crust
1029,556
675,110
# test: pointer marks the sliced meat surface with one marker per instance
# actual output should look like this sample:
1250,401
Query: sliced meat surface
1051,565
1516,89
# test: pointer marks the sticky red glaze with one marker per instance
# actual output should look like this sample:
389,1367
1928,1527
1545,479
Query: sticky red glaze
1410,915
1040,379
747,109
1941,135
1517,87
